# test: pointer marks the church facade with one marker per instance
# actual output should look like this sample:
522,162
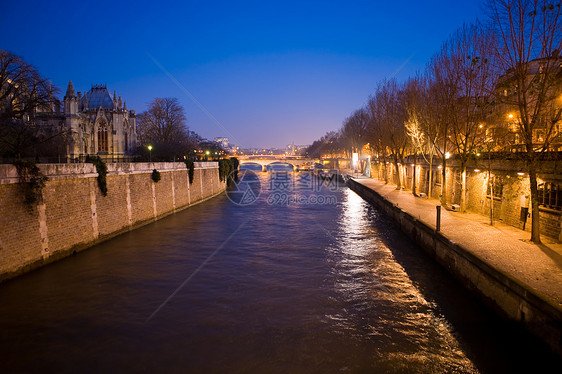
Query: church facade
98,124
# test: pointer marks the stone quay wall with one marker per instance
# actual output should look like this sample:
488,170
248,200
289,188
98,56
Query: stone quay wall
502,293
72,214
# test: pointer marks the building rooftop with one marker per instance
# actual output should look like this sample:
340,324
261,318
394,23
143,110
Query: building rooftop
98,95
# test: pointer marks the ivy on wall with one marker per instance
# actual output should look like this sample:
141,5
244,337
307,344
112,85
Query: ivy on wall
156,176
225,168
190,165
101,168
31,181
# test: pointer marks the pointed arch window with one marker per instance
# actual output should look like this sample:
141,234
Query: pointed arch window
102,137
126,133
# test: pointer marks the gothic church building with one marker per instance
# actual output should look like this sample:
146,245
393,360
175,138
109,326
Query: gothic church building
98,124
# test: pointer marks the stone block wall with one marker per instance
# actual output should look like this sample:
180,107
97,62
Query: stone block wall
73,214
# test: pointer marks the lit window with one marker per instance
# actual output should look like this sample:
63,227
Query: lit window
550,196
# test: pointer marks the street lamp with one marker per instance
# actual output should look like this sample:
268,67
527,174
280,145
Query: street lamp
150,153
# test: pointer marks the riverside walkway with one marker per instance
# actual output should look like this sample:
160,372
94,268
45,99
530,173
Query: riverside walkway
505,248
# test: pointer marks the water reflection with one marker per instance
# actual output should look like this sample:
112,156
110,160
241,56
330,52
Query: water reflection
253,166
382,304
279,166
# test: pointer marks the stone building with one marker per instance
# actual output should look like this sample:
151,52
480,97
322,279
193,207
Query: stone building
98,124
502,127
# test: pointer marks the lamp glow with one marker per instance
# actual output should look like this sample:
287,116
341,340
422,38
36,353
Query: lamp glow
355,159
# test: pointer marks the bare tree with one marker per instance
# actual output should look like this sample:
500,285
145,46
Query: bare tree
388,115
163,126
529,44
354,129
468,59
24,95
415,105
374,134
442,95
327,145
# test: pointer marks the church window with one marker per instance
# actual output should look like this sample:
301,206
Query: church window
102,137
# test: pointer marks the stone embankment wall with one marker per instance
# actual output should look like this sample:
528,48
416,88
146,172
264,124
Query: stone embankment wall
504,294
73,214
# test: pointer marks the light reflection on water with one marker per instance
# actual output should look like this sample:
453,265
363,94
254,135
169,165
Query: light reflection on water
298,289
405,328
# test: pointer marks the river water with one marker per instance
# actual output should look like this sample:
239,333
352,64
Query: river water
296,278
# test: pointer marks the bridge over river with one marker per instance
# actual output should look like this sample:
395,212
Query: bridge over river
280,162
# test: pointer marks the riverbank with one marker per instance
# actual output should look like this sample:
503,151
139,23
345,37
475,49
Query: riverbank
73,214
520,280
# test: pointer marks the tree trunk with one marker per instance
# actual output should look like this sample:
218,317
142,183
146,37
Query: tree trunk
491,183
444,183
430,182
398,184
535,220
463,188
414,177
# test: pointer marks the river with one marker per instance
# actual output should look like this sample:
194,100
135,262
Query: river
293,278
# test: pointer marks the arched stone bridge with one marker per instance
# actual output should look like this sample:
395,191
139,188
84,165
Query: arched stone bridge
266,160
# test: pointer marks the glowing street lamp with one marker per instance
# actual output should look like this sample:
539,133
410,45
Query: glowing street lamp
355,161
150,153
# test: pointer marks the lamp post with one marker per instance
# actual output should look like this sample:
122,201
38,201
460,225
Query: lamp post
150,153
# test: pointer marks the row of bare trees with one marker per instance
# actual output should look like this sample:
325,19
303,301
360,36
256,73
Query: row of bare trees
456,106
164,127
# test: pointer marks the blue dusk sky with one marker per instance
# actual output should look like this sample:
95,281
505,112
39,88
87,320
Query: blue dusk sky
264,74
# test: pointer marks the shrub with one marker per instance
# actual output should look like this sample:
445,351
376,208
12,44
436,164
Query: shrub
235,165
31,180
101,168
225,168
156,176
190,165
